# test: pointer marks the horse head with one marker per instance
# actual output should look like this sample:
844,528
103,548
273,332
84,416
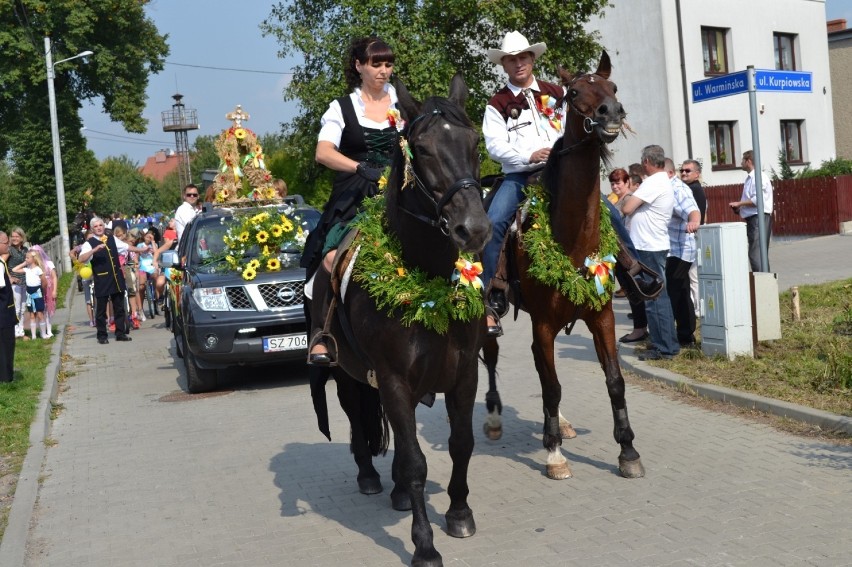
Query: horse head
441,186
591,96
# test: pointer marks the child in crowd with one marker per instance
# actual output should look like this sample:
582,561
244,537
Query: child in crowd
36,283
146,266
52,286
128,267
87,282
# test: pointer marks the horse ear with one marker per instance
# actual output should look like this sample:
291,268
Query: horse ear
565,75
410,107
604,67
458,90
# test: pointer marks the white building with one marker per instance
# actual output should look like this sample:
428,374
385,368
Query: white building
660,47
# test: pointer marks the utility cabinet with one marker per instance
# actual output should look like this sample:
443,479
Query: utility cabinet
723,287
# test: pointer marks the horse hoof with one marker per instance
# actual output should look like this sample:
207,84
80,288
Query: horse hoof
460,523
370,485
400,501
566,430
631,469
493,433
433,559
559,472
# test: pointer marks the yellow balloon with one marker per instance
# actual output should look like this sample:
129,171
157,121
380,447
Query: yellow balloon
86,272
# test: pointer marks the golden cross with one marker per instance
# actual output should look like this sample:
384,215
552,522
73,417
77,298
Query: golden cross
238,115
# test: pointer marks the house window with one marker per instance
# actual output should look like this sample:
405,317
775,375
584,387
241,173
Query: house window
791,140
722,145
785,51
715,51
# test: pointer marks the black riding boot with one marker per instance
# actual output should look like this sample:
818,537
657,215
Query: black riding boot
321,310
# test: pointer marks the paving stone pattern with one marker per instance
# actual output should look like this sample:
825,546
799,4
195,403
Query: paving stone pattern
245,478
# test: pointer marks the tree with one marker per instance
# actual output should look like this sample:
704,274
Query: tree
429,44
126,189
127,48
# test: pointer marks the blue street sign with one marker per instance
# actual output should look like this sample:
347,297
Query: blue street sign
726,85
764,80
783,81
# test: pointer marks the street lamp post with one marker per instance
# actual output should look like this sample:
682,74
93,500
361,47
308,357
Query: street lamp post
57,155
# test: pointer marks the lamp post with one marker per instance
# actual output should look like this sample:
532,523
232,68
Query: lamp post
57,156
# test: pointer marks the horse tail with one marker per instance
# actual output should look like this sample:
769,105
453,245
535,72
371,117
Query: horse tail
374,422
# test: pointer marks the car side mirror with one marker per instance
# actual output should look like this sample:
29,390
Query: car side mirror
169,259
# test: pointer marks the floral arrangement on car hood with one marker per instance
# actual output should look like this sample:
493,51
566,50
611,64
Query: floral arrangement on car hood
254,241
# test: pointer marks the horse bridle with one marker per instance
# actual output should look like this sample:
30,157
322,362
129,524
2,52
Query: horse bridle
588,122
440,220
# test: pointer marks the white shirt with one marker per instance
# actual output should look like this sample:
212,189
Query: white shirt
120,245
749,194
512,142
183,215
650,221
33,276
332,122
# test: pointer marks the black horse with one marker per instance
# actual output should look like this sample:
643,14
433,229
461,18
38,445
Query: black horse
433,207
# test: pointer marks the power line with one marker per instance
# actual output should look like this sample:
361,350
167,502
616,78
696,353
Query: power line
127,141
229,69
126,137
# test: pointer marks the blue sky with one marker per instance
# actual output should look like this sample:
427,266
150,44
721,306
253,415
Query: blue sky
209,33
225,34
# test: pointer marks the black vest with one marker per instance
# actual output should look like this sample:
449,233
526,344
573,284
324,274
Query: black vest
8,316
504,101
106,270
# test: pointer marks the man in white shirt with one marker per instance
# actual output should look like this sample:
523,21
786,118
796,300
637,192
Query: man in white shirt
650,209
187,210
746,207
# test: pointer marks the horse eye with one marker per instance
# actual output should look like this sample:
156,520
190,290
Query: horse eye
573,93
614,89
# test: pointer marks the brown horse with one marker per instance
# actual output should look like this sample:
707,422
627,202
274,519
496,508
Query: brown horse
572,181
433,207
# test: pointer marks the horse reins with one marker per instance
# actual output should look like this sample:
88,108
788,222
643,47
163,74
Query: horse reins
440,221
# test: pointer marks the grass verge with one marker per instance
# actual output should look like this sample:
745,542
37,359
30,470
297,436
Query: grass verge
811,365
18,405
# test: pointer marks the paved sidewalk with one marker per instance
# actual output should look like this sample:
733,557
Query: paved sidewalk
139,474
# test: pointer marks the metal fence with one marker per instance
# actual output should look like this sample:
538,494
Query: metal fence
800,206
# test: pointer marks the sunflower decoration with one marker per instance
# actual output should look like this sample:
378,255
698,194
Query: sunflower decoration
242,173
255,239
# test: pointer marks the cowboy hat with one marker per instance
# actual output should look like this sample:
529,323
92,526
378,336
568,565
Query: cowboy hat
513,44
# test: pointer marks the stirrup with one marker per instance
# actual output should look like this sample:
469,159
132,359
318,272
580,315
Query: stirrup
493,330
327,359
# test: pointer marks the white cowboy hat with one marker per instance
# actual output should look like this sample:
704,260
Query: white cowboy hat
513,44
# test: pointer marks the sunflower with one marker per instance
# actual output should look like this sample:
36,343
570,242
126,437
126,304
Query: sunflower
260,217
270,193
231,261
273,265
244,236
288,226
240,133
262,236
249,273
277,230
254,264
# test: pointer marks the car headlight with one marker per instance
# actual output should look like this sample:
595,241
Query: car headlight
211,298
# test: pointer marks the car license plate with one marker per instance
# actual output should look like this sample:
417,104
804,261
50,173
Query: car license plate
287,342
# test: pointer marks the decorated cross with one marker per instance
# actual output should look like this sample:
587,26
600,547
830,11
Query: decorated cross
238,115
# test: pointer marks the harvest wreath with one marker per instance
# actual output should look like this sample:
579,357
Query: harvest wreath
432,302
592,285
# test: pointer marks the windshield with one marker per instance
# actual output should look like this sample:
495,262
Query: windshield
208,251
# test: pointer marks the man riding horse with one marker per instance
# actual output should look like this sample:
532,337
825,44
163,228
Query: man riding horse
521,123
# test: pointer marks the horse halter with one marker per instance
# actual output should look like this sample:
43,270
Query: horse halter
588,122
440,220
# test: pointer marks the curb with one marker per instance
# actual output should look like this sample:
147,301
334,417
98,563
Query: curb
828,421
13,547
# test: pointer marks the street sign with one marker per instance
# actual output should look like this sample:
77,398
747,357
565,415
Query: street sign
764,80
783,81
717,87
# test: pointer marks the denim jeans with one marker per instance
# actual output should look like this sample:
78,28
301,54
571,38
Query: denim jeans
501,212
661,324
